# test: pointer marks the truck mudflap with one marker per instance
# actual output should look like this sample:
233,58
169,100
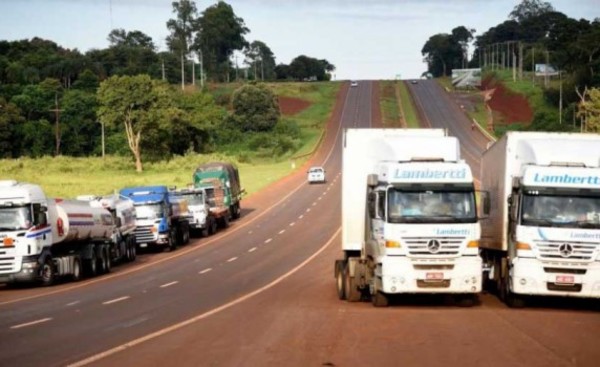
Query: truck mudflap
398,274
529,276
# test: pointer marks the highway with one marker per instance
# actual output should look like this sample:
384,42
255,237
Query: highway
262,293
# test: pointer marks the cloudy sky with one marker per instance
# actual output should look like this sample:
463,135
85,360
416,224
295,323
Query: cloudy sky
364,39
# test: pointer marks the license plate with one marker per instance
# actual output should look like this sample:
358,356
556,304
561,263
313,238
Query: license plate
434,277
143,245
565,279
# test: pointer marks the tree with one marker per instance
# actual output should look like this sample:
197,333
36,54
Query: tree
261,61
463,37
442,52
10,119
589,109
137,102
182,29
220,32
308,68
530,8
255,108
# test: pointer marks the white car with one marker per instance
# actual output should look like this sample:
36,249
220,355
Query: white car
354,83
316,174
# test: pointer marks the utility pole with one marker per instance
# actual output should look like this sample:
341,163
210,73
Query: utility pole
201,69
182,72
533,65
163,69
560,100
56,111
520,61
103,152
546,69
193,71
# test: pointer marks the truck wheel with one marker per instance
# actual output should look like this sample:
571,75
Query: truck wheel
92,265
107,260
76,276
236,213
511,299
340,269
172,242
132,250
47,274
224,221
204,232
351,291
379,299
213,226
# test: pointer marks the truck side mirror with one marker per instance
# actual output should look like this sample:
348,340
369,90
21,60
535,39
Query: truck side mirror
484,199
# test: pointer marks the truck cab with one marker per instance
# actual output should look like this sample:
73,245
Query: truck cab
198,209
159,222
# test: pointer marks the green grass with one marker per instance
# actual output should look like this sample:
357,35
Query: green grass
445,82
410,112
390,111
68,177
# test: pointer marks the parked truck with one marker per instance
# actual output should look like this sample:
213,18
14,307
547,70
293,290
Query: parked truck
123,212
221,178
542,236
44,238
205,213
409,219
160,222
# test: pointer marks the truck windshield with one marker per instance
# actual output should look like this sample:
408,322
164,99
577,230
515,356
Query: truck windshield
149,211
193,198
560,211
15,218
431,206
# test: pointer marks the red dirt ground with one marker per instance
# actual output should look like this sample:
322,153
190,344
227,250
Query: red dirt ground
291,106
509,107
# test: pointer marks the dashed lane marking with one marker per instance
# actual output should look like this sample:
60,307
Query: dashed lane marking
31,323
169,284
205,271
115,300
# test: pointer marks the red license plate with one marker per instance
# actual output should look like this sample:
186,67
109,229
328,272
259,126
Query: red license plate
565,279
434,276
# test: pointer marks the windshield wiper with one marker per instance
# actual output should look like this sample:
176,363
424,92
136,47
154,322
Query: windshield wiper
587,224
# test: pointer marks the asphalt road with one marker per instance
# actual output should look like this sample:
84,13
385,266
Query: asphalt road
263,294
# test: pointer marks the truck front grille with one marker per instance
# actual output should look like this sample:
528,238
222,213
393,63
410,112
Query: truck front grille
143,234
433,247
555,250
8,262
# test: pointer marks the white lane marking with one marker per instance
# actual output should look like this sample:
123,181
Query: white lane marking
205,271
252,249
282,231
194,319
301,216
31,323
269,240
292,224
307,210
115,300
249,232
320,197
314,204
325,193
73,303
232,259
169,284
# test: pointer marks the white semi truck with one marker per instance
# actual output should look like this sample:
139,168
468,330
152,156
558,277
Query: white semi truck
409,218
542,236
42,238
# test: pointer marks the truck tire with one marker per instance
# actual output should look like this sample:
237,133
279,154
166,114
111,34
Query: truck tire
379,299
172,242
351,291
224,221
76,276
91,267
213,226
47,272
103,261
236,212
108,260
205,232
511,299
132,250
340,269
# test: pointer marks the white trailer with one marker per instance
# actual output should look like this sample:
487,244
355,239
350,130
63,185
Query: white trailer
43,238
409,220
542,236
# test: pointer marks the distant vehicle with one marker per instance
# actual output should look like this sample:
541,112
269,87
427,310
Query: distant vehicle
316,174
414,81
354,83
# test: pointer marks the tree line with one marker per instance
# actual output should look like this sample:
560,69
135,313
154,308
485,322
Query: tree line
534,33
51,100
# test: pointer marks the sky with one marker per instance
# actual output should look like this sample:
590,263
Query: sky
364,39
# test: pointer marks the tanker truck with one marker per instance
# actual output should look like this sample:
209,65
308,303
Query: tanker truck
542,236
44,238
409,219
123,212
160,221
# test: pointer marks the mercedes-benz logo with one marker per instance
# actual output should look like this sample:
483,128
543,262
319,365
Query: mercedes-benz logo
565,249
433,246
